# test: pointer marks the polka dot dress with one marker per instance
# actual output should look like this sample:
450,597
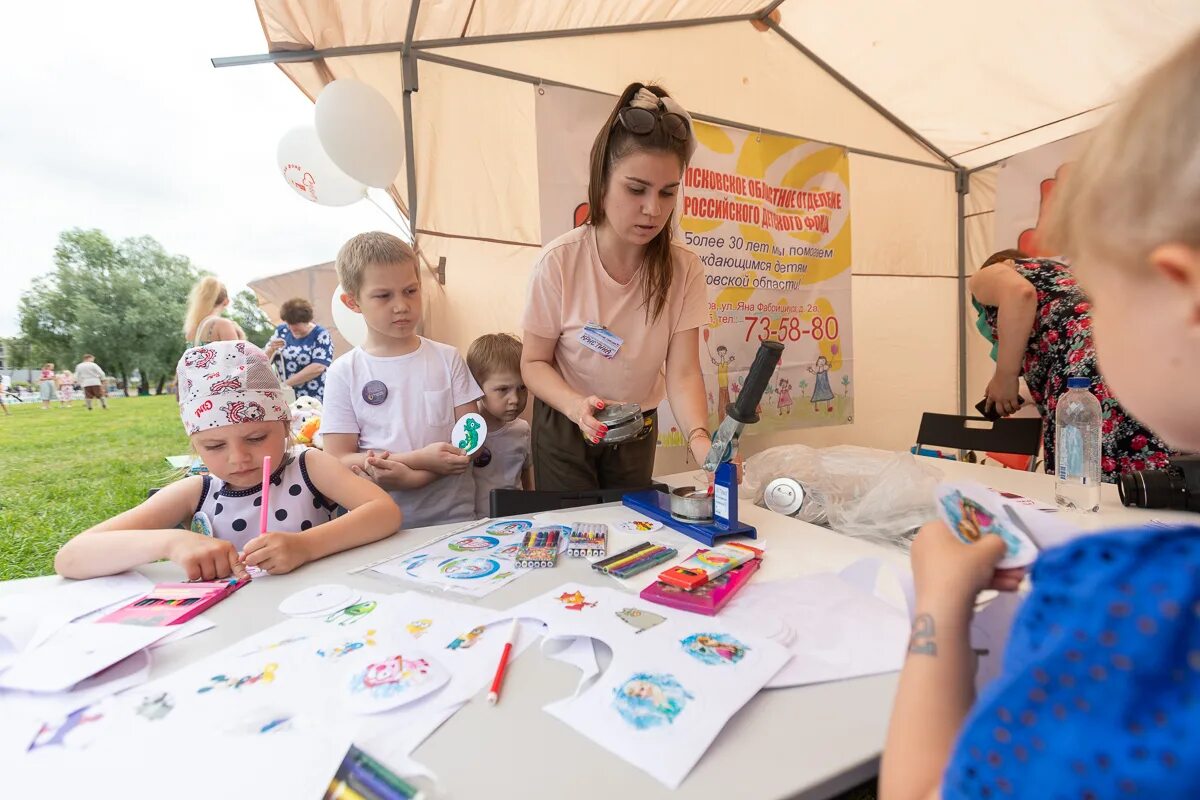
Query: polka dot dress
296,505
1098,698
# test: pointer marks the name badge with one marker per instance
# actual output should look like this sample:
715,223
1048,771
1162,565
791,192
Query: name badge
600,339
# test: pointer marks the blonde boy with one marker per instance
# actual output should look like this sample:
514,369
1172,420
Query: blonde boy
390,404
504,461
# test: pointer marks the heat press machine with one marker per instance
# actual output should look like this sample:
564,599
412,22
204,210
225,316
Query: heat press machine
705,515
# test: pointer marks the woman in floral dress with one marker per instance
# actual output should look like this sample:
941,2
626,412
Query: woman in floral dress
1041,326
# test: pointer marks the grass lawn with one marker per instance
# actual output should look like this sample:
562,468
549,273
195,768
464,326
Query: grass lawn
66,469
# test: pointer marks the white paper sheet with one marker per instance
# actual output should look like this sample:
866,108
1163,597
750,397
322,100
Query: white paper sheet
288,680
70,600
577,651
671,686
77,651
292,764
183,631
835,629
24,713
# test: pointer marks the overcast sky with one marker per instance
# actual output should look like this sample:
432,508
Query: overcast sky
113,118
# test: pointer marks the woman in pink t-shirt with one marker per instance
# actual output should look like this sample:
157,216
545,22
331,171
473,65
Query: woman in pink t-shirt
615,308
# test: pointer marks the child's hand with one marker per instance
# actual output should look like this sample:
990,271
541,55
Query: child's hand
583,415
276,552
205,558
953,571
445,459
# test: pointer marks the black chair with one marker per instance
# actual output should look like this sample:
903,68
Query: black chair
1017,435
511,502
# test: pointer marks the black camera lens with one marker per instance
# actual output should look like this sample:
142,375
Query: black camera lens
1154,488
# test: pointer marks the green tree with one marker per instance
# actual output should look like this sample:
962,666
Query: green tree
244,311
123,302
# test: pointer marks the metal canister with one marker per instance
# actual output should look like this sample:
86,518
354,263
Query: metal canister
691,504
624,420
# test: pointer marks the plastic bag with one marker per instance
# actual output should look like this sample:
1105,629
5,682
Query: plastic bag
878,495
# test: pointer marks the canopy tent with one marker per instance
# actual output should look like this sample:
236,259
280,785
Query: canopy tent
315,284
925,99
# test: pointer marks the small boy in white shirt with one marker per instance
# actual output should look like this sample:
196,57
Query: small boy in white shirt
504,460
391,404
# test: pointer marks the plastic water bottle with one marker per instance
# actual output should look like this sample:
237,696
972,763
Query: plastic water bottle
1077,447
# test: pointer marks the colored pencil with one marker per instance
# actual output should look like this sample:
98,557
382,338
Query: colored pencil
342,791
266,494
608,564
630,562
625,562
494,692
380,771
604,564
645,564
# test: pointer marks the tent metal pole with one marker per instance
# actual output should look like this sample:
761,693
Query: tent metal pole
770,7
860,94
496,72
290,56
408,66
568,33
962,185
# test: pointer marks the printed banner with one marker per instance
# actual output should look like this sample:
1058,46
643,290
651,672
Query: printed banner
1023,190
769,217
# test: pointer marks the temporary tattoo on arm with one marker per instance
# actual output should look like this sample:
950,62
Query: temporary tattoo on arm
921,642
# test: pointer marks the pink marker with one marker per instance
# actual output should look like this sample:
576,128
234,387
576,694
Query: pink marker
266,494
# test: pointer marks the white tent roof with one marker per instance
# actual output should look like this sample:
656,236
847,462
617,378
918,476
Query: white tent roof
979,80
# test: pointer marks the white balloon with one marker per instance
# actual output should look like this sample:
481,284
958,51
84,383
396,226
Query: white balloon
350,325
311,172
359,130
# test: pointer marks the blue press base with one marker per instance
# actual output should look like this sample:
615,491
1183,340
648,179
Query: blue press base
657,505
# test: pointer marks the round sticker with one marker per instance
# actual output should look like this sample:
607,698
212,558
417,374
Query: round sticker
375,392
316,601
469,433
469,543
392,681
509,526
638,525
483,457
468,568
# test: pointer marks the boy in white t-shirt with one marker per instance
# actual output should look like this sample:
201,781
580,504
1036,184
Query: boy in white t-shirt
504,460
391,404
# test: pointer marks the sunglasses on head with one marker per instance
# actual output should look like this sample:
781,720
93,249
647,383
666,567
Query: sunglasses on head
642,121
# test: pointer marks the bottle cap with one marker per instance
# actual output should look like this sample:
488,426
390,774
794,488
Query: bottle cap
1079,383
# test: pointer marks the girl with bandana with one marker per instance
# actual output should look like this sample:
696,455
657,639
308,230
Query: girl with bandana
235,416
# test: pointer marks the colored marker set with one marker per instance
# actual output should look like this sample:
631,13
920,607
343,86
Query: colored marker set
587,540
539,548
636,559
360,777
173,603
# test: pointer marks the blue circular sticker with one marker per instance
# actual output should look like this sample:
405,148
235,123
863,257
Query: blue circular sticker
375,392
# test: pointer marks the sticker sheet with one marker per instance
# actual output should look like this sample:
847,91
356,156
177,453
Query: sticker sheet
473,561
674,681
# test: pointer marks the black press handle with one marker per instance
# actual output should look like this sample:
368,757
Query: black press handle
745,408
